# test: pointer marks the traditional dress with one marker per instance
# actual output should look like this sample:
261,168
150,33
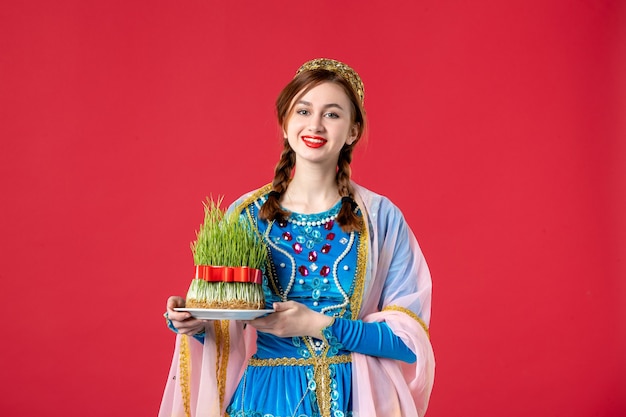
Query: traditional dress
376,275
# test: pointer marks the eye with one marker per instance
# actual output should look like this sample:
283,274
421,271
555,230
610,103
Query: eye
332,115
303,112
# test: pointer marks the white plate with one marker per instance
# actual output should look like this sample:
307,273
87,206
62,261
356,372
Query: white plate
215,314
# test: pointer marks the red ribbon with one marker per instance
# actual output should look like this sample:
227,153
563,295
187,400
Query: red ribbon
229,274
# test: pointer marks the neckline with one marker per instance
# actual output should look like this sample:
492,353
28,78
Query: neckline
315,219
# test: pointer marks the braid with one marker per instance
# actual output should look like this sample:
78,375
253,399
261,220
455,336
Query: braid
347,218
271,209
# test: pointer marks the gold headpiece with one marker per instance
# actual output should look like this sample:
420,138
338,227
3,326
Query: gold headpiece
339,68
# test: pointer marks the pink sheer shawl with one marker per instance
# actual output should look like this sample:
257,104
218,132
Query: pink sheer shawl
385,387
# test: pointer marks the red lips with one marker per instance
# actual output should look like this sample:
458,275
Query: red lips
314,141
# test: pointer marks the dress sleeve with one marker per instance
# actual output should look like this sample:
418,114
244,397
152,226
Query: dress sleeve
373,339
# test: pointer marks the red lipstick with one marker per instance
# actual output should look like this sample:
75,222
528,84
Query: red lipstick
313,141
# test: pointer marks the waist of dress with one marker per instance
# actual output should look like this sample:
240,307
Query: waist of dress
312,361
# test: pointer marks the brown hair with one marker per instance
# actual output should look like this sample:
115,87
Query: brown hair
300,85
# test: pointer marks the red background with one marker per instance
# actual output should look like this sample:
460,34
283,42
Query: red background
497,126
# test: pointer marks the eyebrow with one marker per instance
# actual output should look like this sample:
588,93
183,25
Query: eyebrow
326,106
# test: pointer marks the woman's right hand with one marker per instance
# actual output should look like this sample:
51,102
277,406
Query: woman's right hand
182,320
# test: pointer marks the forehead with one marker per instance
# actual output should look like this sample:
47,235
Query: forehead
324,93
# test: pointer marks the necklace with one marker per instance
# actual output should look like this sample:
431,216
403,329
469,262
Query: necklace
304,222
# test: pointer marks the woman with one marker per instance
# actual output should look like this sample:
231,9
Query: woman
349,285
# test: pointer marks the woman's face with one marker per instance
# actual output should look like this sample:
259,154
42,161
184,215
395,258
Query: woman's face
320,124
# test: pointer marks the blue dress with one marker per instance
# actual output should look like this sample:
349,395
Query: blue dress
375,282
313,262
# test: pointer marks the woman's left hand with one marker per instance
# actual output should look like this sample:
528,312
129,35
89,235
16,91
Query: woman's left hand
292,319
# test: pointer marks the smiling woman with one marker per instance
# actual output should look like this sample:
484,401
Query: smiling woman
496,126
322,120
331,76
347,281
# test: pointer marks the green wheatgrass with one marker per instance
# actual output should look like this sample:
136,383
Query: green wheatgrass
226,239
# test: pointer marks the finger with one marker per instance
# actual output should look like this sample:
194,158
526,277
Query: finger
179,317
281,306
187,325
175,302
286,305
261,321
172,303
264,323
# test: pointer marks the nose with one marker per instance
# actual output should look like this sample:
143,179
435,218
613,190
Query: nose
315,124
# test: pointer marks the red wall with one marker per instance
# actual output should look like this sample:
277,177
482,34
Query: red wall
497,126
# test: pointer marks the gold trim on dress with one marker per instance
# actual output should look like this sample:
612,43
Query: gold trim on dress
361,268
410,314
333,360
225,357
321,373
184,374
252,197
222,345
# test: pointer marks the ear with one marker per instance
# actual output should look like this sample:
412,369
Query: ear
354,134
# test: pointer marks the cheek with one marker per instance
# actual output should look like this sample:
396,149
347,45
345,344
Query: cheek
292,128
292,136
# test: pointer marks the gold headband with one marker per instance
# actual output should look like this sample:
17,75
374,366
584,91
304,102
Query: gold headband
338,68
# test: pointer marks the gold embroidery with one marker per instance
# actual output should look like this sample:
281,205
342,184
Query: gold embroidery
300,361
321,376
184,374
253,197
224,364
361,269
410,314
222,346
217,327
321,373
